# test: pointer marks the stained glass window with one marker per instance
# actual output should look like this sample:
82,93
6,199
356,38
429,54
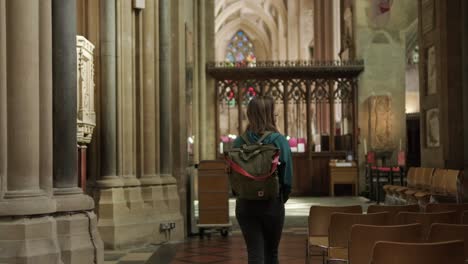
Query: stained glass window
240,50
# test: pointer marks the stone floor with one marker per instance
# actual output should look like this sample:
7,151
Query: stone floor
216,249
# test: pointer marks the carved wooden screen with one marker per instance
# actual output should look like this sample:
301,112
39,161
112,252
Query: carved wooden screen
314,103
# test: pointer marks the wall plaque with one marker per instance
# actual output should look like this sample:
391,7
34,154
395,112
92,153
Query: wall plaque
432,128
380,122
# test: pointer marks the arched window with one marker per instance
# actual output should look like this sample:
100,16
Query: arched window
240,50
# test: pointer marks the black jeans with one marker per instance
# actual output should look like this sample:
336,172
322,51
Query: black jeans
261,223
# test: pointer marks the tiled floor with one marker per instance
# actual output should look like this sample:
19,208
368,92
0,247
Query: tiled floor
231,250
216,249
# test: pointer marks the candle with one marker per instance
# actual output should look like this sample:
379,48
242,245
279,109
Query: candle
300,147
221,147
365,147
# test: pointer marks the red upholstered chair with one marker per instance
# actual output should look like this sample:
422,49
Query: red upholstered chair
387,174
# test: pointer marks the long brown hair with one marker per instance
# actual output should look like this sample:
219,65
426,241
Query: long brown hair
261,115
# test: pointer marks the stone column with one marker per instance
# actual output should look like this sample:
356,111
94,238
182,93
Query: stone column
22,128
465,80
23,112
165,91
323,30
207,135
3,96
293,30
65,169
149,174
108,138
69,196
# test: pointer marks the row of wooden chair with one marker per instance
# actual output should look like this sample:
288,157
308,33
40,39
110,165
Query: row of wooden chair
424,184
331,228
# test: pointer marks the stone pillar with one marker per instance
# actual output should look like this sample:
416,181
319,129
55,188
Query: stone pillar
77,244
3,95
46,106
22,127
23,116
293,30
108,109
465,80
65,169
206,52
149,174
165,91
323,30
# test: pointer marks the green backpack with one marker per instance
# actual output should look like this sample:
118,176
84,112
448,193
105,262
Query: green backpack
253,169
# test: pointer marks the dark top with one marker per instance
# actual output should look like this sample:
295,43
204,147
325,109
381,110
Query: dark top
285,169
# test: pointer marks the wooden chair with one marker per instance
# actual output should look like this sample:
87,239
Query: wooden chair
413,178
391,190
393,210
427,219
319,221
447,232
423,185
340,231
445,187
449,252
444,207
363,238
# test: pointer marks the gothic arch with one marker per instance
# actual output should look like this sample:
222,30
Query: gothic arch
255,34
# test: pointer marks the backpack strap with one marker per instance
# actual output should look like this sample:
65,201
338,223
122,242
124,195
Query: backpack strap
265,135
246,138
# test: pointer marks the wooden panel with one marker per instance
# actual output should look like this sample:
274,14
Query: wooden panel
312,176
213,200
213,183
213,192
215,216
212,165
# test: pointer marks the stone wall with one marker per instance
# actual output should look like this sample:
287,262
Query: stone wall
380,40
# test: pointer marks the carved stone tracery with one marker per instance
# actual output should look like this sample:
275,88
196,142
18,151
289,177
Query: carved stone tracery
86,117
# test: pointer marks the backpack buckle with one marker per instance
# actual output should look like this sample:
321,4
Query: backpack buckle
260,194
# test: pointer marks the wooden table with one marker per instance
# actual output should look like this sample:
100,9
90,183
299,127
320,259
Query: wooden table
340,174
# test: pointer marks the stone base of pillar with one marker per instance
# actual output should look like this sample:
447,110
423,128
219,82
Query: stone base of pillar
131,216
79,239
168,179
130,181
72,199
110,182
32,205
171,197
150,180
29,240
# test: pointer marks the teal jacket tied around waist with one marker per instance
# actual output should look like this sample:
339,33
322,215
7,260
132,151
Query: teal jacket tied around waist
285,169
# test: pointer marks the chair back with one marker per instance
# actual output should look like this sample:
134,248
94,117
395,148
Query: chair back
418,253
438,181
341,223
411,176
401,159
444,207
363,238
370,158
319,217
427,219
447,232
426,179
393,210
452,180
